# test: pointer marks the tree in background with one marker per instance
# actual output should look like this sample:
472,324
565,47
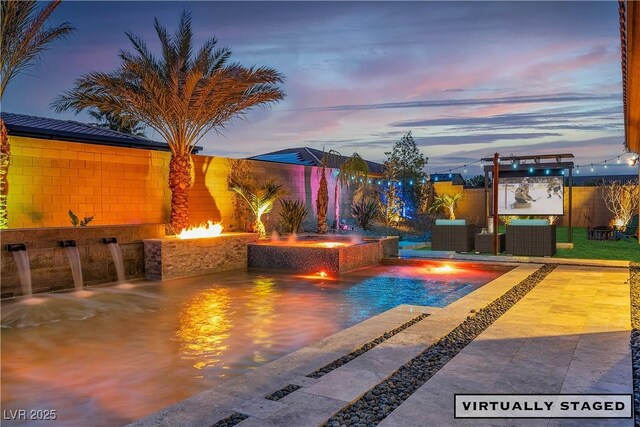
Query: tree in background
405,163
181,94
476,181
24,35
118,123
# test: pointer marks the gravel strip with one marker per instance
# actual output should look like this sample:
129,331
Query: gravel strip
381,400
277,395
368,346
231,420
634,284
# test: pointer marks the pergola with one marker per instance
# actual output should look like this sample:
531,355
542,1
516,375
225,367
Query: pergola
522,166
630,55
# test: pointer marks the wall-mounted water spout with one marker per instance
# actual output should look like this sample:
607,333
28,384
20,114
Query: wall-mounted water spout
15,247
116,254
21,257
67,243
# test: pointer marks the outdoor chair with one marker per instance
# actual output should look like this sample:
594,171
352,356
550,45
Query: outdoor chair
600,233
632,227
453,235
531,237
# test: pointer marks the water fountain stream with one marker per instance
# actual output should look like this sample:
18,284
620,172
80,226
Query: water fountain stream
116,254
21,256
74,260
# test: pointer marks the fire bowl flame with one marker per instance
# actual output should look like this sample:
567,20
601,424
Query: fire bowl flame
204,230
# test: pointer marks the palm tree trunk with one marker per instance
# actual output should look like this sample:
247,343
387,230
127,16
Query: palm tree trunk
179,183
5,158
321,203
452,214
337,206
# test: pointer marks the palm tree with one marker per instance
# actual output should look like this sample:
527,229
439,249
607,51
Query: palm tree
447,203
180,94
355,168
118,123
23,37
260,199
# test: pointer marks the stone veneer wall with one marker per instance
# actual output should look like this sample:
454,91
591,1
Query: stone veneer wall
50,269
311,260
171,257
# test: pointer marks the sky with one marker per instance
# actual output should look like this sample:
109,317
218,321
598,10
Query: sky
466,78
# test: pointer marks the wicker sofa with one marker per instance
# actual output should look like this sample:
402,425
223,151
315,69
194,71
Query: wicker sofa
531,238
453,235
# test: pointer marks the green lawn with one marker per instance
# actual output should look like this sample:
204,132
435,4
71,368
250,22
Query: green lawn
625,249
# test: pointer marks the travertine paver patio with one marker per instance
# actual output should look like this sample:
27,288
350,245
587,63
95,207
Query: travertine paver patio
570,334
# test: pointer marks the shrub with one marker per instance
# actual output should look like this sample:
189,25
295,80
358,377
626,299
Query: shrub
292,214
75,221
364,211
447,203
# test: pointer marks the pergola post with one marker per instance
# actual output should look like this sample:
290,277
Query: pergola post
570,231
496,172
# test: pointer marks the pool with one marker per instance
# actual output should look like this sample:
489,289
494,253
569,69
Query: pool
113,354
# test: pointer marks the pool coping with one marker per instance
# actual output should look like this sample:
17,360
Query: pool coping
440,255
246,393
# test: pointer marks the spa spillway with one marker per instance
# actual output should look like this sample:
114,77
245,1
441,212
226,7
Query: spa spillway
321,255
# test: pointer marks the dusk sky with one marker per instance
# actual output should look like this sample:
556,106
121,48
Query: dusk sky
468,79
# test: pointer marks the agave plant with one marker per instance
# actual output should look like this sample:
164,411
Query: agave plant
260,199
292,213
447,203
364,211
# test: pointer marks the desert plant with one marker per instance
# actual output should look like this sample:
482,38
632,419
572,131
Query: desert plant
621,200
239,171
322,202
23,37
75,221
447,203
260,199
364,212
182,94
292,214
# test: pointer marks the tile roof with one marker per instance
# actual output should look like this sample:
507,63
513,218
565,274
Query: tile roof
69,130
309,157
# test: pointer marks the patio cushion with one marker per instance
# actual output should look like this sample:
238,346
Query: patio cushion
530,222
451,221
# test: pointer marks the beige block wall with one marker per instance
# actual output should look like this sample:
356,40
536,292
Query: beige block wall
129,186
589,209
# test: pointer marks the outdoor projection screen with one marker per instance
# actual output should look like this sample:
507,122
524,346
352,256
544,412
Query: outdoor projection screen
541,195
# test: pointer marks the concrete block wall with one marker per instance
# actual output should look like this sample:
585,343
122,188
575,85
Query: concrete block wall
589,209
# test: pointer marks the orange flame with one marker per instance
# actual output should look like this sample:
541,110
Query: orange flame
204,230
444,269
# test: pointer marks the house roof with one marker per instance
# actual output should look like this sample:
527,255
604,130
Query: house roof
72,131
309,157
455,178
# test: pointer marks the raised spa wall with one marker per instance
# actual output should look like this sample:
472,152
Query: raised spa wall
50,268
312,260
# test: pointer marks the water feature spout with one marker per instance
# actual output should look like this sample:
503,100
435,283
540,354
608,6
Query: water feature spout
15,247
67,243
116,254
74,260
23,264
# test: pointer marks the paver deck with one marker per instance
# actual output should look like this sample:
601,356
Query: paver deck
570,334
